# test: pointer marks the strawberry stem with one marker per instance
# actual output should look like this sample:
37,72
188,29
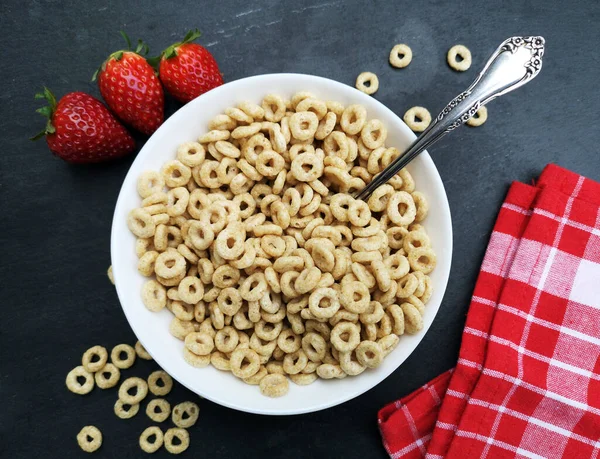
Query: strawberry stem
47,111
141,49
171,51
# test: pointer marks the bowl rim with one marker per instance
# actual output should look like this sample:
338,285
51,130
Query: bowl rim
150,145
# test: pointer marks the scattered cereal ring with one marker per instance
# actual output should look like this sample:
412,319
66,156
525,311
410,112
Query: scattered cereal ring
73,383
125,410
459,58
109,273
274,385
160,383
478,118
89,439
158,409
94,359
417,118
138,386
107,377
117,359
367,82
400,56
141,351
182,435
151,439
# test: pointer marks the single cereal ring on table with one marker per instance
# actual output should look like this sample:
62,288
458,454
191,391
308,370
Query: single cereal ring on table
94,358
459,58
125,410
367,82
133,384
107,377
127,351
109,273
148,445
73,383
417,118
478,118
182,436
236,362
158,409
185,414
141,223
345,336
160,383
89,439
400,56
422,259
274,385
303,125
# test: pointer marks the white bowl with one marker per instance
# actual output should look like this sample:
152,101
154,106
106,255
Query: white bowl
152,329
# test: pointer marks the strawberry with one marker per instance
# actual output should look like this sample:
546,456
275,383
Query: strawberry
188,70
131,89
80,129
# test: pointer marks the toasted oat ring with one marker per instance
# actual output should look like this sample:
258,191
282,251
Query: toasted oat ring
237,363
226,339
145,443
269,163
158,409
190,290
170,264
401,208
75,386
230,242
397,316
307,280
288,341
307,167
154,295
336,144
125,410
191,153
229,301
200,343
459,51
123,363
198,361
400,56
349,294
369,354
254,287
104,382
350,366
150,182
353,119
413,321
345,336
274,108
329,371
417,118
326,126
160,383
340,206
141,390
182,435
373,134
304,379
97,352
274,385
224,276
359,213
422,259
185,414
478,118
323,303
303,125
140,223
314,346
268,331
295,362
388,343
176,173
89,439
257,377
367,82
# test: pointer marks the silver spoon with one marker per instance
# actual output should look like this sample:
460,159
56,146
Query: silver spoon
515,62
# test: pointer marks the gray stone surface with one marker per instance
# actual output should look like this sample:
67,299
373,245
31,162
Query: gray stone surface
55,298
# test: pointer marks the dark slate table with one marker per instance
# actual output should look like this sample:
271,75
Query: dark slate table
56,300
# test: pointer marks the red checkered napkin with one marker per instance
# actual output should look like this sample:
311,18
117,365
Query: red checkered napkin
527,381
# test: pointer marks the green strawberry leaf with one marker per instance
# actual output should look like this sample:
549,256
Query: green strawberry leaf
46,111
127,40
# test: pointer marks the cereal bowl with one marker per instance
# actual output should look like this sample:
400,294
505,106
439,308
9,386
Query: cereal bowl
152,328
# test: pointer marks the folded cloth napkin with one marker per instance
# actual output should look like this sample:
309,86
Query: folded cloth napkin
527,381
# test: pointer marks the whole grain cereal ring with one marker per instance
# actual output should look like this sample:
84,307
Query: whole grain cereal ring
359,213
176,173
307,280
251,109
367,82
294,363
191,153
369,354
217,318
185,414
222,122
417,118
345,336
422,259
226,339
197,361
304,379
400,56
169,264
268,331
223,277
396,236
77,387
125,410
94,358
151,439
269,163
329,371
140,223
303,125
397,316
459,58
89,439
324,303
318,107
274,385
336,144
413,321
288,341
414,240
200,343
275,367
478,118
158,409
353,119
314,346
238,357
117,353
326,126
373,134
340,206
230,242
138,386
150,182
401,208
274,108
273,246
200,235
306,167
355,297
107,377
421,205
384,326
253,287
214,136
373,314
349,365
109,273
183,438
343,315
160,383
382,275
190,290
229,301
407,286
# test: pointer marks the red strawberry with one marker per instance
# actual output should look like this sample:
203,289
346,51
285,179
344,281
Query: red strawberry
131,89
80,129
188,70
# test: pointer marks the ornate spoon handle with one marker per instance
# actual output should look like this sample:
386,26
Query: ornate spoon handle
515,62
